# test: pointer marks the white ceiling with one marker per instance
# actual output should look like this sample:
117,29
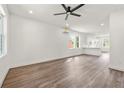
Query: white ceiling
92,15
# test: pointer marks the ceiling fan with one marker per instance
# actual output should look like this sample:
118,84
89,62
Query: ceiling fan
69,11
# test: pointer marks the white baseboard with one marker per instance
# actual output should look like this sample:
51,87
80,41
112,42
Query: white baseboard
41,61
116,68
3,76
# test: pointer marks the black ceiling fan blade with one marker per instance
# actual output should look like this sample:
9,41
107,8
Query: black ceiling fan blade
59,13
77,7
63,5
66,17
75,14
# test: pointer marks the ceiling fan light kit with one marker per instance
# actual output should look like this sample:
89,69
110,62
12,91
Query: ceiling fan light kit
66,29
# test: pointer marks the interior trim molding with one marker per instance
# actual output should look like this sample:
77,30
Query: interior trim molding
47,61
5,75
116,68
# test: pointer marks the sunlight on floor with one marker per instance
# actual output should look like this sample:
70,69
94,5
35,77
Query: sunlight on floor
105,57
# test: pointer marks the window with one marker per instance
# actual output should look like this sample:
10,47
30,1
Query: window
2,35
74,41
98,42
105,43
93,43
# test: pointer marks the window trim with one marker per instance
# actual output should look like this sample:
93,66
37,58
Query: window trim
4,31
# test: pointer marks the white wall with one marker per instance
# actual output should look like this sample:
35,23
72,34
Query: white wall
117,39
33,41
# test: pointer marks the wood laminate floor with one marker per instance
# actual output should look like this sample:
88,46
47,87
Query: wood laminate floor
76,72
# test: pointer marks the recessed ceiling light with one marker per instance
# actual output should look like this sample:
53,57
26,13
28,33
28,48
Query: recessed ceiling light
30,11
102,24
